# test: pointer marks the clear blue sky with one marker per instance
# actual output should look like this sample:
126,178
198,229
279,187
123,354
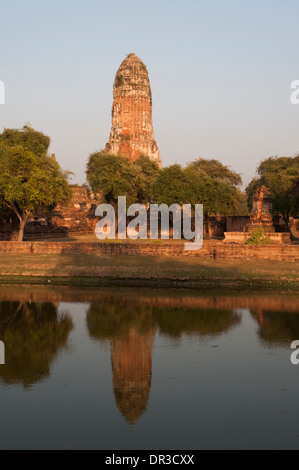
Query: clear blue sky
220,73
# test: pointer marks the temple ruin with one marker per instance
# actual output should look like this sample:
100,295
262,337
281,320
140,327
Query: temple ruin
132,133
261,213
261,217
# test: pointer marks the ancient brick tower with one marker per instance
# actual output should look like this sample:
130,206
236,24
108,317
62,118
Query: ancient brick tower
132,131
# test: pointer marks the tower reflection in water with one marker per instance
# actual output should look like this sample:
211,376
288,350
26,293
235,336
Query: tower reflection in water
131,331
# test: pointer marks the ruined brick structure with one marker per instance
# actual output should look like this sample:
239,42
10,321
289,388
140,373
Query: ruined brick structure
79,215
132,132
261,214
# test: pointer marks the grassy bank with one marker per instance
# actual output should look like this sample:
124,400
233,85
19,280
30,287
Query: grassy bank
147,271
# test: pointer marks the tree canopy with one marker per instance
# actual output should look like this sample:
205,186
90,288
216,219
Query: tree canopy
206,182
216,170
281,176
28,138
29,181
147,173
171,186
113,176
198,183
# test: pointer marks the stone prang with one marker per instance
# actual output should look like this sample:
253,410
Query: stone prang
132,133
261,213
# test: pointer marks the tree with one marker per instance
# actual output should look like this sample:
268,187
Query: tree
216,170
171,186
35,141
30,181
215,186
240,203
147,174
112,176
216,196
205,182
281,176
251,189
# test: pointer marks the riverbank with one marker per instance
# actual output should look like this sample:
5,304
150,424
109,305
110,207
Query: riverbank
147,271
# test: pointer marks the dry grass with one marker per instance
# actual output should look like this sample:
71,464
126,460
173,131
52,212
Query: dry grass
145,267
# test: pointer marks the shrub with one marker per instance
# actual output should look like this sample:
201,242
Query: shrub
119,80
258,237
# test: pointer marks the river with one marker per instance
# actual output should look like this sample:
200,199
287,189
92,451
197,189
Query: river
131,368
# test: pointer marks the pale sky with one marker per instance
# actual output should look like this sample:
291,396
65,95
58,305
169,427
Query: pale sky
220,74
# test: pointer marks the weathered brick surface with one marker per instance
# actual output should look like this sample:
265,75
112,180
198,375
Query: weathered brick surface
132,132
215,251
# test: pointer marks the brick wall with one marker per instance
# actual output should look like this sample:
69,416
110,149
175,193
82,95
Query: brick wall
236,223
209,250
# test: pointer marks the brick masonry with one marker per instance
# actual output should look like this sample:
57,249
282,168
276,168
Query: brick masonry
132,133
287,252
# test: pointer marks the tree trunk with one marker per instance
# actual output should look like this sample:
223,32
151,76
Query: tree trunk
15,224
23,222
286,219
206,226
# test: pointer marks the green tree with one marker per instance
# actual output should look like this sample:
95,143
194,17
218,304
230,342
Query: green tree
216,187
251,190
206,182
215,195
217,171
112,176
171,186
147,174
281,176
35,141
29,181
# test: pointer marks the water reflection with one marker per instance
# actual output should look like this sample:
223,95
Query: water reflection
175,322
246,395
33,334
131,332
277,328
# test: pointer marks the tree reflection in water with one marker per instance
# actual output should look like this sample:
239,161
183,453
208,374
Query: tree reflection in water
33,334
131,331
277,328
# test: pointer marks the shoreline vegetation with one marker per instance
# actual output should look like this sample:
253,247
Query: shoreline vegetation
148,271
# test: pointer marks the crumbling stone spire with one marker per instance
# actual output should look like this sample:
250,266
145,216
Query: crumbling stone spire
132,131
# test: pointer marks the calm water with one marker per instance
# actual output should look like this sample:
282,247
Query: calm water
147,369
